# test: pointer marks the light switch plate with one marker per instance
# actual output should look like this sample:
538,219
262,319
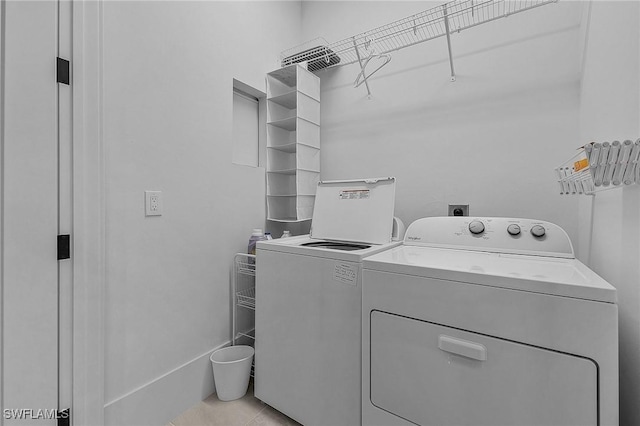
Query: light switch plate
153,203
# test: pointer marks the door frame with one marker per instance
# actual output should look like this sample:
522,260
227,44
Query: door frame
88,235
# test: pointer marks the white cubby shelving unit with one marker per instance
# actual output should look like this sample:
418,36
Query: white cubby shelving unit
293,143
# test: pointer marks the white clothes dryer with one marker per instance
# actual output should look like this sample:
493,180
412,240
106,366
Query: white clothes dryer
309,299
487,321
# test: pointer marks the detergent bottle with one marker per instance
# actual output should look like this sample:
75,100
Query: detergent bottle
256,236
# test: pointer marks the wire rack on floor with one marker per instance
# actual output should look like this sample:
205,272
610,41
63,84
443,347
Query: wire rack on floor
430,24
243,296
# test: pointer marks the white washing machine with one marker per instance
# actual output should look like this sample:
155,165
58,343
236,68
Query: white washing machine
308,304
487,321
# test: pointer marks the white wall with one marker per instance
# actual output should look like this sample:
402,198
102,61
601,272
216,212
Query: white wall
490,139
610,222
168,70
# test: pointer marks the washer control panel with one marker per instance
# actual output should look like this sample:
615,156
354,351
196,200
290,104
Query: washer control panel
493,234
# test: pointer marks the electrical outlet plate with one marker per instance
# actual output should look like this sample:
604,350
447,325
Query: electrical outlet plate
153,203
458,209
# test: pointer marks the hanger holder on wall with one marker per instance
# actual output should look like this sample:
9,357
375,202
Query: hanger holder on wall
600,166
430,24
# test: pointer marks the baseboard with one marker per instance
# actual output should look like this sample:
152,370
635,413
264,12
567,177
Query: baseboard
161,400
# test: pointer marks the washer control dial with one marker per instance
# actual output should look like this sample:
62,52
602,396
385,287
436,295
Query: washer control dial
538,231
476,227
513,229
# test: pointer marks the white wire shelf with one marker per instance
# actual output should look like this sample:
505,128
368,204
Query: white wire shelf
600,166
243,295
245,264
451,17
247,298
251,334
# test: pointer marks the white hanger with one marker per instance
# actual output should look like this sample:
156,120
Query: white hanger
362,76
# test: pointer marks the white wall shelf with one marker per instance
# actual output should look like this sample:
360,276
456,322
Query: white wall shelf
600,166
289,123
290,147
440,21
287,100
293,143
290,172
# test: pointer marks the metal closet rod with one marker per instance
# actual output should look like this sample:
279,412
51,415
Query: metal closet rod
442,20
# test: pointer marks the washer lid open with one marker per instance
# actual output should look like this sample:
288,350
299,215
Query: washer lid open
354,210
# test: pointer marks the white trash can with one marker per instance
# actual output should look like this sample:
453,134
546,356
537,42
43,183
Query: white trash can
231,371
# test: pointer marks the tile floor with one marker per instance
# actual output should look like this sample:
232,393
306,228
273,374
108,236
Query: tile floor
246,411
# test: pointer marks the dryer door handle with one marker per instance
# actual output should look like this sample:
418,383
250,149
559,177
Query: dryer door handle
461,347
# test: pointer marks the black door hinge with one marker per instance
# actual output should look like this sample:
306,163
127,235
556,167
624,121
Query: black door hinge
64,417
64,247
63,71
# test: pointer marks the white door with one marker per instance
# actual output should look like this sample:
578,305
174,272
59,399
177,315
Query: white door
431,374
31,190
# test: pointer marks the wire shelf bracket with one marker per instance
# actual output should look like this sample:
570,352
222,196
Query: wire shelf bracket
448,33
440,21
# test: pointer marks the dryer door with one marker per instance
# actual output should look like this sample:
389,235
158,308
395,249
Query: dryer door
430,374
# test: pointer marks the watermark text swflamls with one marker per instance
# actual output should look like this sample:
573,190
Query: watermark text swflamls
34,414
